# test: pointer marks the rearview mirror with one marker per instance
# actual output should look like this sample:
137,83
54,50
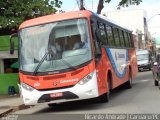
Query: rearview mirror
11,47
12,43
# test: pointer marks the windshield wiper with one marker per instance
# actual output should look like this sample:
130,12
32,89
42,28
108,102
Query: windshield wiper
45,56
40,63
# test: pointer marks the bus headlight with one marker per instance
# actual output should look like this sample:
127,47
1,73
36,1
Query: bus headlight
27,87
86,79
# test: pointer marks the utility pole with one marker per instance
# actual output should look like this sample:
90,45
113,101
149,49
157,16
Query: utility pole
82,5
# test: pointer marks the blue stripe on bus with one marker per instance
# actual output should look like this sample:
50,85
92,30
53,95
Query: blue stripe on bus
121,75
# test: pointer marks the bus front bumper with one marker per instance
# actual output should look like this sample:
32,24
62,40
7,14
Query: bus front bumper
77,92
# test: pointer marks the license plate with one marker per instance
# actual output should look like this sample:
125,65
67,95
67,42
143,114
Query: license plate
55,95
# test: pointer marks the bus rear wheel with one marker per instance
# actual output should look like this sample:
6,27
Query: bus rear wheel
128,84
155,82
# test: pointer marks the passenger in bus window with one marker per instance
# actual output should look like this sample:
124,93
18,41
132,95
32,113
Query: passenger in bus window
83,43
76,45
58,47
55,52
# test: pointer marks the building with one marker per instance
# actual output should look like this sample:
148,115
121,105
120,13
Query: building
6,60
8,71
134,20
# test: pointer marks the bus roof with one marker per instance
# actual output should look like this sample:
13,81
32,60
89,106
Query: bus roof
55,17
113,22
65,16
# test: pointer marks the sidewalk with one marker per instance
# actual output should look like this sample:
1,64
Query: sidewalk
9,103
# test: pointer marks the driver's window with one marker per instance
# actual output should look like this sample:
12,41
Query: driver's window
95,39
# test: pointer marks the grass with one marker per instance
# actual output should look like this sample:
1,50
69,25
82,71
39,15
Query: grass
5,43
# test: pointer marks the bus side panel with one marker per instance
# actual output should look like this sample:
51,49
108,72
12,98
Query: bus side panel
117,62
105,65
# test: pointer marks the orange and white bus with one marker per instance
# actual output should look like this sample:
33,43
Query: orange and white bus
73,56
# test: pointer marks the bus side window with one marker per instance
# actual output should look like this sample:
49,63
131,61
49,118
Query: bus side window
116,37
122,38
130,40
109,35
126,39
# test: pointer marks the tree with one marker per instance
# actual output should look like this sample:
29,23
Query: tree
14,12
121,3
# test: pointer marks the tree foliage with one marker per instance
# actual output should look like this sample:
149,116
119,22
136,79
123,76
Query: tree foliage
14,12
123,3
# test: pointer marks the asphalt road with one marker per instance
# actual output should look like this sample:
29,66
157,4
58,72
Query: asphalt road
144,97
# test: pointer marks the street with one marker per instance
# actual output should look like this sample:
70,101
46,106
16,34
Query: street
142,98
59,51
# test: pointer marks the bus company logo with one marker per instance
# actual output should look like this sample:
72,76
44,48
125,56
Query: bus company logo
55,83
120,55
68,81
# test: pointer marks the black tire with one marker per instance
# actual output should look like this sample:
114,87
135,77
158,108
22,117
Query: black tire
155,82
105,97
128,84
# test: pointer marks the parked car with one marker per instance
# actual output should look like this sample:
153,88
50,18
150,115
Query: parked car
143,59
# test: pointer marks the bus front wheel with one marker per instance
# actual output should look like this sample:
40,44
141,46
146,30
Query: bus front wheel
105,97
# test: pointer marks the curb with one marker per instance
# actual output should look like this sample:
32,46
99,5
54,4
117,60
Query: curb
5,112
14,109
20,107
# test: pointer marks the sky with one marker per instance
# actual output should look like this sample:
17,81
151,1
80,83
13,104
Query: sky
152,8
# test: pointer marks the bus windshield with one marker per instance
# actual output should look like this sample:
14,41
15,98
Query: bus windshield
66,43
